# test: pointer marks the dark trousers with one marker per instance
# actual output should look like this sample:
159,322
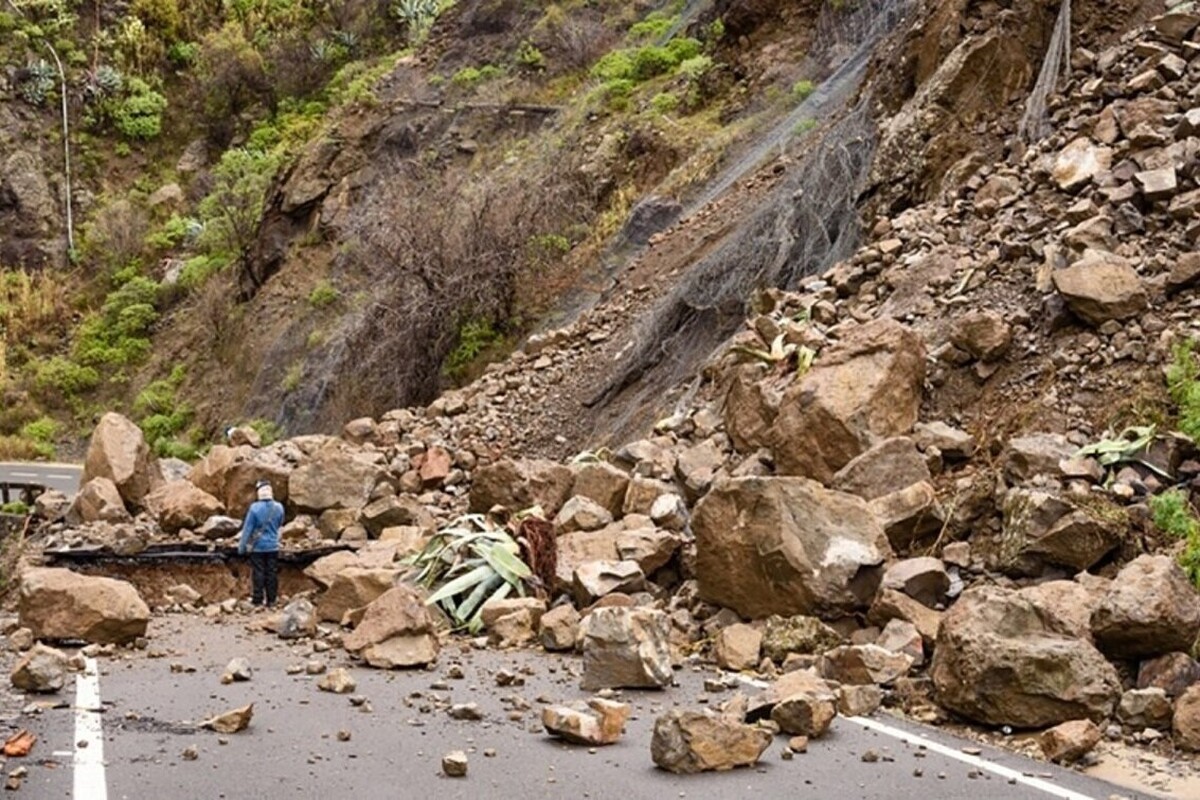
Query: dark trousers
264,577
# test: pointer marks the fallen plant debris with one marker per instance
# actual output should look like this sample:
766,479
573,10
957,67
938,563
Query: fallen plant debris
19,744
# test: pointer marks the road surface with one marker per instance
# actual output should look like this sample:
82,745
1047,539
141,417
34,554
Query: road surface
63,477
306,743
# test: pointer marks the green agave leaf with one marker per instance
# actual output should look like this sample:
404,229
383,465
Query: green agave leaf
467,608
476,622
461,584
505,562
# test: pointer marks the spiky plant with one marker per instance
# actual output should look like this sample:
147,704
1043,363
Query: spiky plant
469,563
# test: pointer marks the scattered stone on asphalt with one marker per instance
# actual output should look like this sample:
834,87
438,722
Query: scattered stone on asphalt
454,764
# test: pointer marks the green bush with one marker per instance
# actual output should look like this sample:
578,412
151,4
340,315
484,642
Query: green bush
474,336
164,417
1173,515
802,90
470,76
119,334
664,102
1183,384
15,507
323,294
529,56
683,49
267,430
139,114
696,67
65,377
654,26
42,432
651,61
615,65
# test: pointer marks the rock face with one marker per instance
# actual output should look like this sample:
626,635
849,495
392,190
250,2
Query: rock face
396,631
181,504
43,669
118,451
867,386
60,604
626,647
1000,662
786,546
686,742
1101,286
1150,609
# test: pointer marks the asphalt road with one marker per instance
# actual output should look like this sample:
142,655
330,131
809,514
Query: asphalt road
394,750
63,477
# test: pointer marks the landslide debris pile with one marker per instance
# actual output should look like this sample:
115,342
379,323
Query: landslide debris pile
881,494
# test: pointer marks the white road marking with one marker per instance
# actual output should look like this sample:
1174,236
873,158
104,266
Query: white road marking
1013,775
949,752
90,781
24,474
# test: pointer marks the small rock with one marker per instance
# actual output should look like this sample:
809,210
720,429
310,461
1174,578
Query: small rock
338,681
1070,741
454,764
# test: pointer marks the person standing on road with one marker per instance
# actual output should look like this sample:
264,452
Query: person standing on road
260,537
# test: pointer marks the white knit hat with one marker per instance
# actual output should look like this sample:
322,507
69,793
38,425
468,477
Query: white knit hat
264,491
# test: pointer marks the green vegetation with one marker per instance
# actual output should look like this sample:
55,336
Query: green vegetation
323,294
474,336
1183,384
802,90
41,433
138,114
467,564
1173,514
16,507
529,56
472,76
267,430
164,417
664,102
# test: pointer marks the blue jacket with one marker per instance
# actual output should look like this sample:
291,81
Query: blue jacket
262,520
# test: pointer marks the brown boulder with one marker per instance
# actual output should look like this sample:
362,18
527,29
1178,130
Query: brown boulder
1101,286
601,723
118,451
396,631
626,648
736,647
983,334
61,604
601,483
889,466
864,663
180,504
558,628
230,474
1186,722
786,546
1042,528
1000,662
1151,608
1069,741
686,742
354,587
98,501
1173,673
805,714
518,485
866,387
751,405
336,477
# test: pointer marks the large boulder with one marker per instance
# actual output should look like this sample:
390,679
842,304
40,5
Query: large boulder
751,406
866,387
518,485
767,545
1101,286
602,483
354,587
1151,608
626,648
1079,162
1043,528
98,500
693,741
1186,722
336,477
889,466
230,474
118,451
1000,662
396,630
737,647
181,504
61,604
393,511
579,548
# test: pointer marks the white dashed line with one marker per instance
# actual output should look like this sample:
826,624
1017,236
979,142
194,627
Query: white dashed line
1012,775
90,781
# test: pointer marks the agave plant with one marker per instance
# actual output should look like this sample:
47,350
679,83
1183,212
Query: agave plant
469,563
37,83
101,82
1127,447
